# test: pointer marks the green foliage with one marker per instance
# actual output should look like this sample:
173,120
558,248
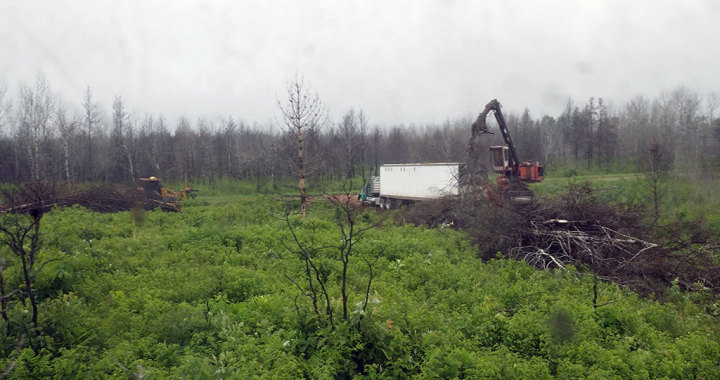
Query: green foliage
201,294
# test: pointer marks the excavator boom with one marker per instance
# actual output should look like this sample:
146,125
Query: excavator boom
515,173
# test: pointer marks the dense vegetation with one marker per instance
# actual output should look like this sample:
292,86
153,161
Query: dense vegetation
209,293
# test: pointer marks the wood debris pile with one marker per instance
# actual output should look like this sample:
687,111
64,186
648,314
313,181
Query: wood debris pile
559,242
608,242
41,197
613,242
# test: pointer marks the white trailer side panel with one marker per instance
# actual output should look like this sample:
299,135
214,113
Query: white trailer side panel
419,181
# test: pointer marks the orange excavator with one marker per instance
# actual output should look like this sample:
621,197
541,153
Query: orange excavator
515,174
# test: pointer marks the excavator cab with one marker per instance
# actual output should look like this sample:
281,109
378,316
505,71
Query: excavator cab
159,195
152,187
528,171
500,159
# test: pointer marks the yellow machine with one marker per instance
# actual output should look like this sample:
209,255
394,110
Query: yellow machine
166,198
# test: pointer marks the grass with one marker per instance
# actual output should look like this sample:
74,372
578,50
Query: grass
683,197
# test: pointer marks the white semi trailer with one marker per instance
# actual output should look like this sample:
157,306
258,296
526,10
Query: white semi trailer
406,183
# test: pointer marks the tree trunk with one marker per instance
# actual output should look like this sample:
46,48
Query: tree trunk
66,159
28,287
301,173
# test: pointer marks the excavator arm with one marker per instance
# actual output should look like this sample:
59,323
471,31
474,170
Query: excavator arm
515,173
511,166
480,127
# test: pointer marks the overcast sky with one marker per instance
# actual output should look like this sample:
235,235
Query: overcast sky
410,62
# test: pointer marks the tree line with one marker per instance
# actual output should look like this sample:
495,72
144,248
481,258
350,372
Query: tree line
45,136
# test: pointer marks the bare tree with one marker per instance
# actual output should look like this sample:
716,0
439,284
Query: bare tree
655,176
6,147
33,115
227,146
91,122
314,281
687,104
20,217
303,114
553,140
589,125
566,126
183,147
205,153
66,129
529,137
376,142
156,151
363,132
635,131
606,135
353,129
398,142
121,135
5,107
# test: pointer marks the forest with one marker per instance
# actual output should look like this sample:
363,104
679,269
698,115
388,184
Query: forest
612,273
45,135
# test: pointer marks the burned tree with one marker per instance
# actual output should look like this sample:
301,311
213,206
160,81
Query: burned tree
20,218
303,115
317,258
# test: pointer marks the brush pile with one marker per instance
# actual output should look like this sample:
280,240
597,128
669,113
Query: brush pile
40,197
614,242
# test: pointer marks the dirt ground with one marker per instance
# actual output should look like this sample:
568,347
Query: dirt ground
351,199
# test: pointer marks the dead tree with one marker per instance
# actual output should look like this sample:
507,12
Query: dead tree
66,130
352,130
561,242
20,227
611,242
5,106
91,126
583,231
351,232
303,115
33,114
655,176
314,283
121,134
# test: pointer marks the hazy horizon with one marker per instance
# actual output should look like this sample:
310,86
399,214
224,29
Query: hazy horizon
402,62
